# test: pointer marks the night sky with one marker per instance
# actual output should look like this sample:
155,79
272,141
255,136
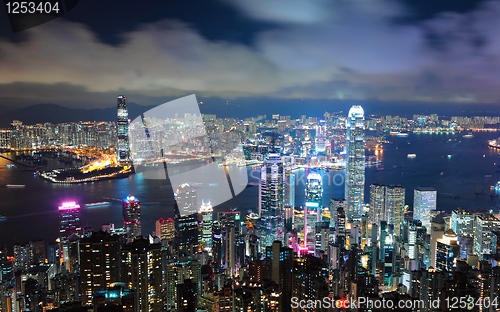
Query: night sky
445,51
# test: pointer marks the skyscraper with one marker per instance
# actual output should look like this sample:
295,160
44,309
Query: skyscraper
131,217
462,222
395,207
387,203
424,200
206,212
122,130
189,235
271,207
186,199
321,137
313,210
289,189
355,161
165,229
377,203
70,224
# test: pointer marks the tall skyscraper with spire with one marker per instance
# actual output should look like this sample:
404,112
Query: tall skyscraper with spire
355,161
123,147
271,200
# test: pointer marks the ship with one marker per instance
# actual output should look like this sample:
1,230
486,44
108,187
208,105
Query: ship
15,185
3,218
494,143
401,134
11,166
411,155
468,135
99,204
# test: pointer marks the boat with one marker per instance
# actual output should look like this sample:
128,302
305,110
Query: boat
3,218
402,134
411,155
487,175
468,135
15,185
99,204
11,166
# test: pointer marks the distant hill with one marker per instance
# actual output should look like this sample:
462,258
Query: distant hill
41,113
4,109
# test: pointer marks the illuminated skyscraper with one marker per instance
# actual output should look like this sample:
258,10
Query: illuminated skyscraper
186,199
131,217
206,212
321,137
314,208
289,189
232,255
387,203
395,207
271,200
122,130
462,222
355,161
424,200
165,229
70,222
377,203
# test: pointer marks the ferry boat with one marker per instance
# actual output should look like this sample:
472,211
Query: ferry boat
99,204
494,143
411,155
15,185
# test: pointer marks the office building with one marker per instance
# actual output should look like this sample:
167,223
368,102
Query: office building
355,162
314,209
387,203
186,199
424,201
462,223
70,229
189,235
485,241
271,200
206,215
437,232
131,208
165,229
447,251
122,130
395,208
377,203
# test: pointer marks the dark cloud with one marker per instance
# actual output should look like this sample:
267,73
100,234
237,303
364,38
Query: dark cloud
350,50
